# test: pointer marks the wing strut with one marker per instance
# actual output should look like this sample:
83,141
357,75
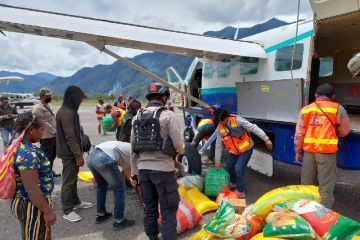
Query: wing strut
143,71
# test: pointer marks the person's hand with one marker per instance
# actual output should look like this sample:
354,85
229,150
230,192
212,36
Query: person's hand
134,181
298,158
80,161
50,218
218,165
269,144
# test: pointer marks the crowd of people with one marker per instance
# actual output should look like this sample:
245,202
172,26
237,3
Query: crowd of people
147,142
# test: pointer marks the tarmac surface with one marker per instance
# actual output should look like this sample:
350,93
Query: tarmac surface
347,193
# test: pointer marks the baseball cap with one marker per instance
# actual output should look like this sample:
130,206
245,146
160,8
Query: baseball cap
45,92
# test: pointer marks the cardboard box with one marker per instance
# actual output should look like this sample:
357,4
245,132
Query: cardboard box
239,204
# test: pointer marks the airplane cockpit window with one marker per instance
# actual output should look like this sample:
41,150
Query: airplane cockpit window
209,70
326,66
223,69
248,65
283,57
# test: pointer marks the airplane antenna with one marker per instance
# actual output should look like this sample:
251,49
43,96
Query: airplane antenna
296,36
237,31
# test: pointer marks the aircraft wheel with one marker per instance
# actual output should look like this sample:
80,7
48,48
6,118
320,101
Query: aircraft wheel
188,134
191,160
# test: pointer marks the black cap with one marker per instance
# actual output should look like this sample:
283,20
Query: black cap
325,90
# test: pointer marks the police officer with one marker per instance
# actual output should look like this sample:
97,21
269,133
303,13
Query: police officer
156,169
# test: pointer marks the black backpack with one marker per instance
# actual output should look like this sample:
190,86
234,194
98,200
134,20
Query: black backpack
146,129
85,141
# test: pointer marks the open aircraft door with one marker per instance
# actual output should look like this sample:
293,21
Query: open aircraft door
174,78
326,9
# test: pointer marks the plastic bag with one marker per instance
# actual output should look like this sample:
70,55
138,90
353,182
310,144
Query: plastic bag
265,203
198,200
226,223
202,235
254,224
226,194
187,217
215,180
260,236
107,124
286,224
192,181
325,222
86,176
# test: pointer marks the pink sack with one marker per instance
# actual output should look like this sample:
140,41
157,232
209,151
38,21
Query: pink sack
7,174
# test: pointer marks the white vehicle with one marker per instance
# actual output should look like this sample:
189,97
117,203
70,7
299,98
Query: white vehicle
266,77
21,99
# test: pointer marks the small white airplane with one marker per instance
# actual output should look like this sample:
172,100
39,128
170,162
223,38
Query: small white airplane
266,77
10,79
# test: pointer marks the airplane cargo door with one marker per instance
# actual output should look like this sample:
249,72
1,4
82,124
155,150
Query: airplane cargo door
279,100
174,78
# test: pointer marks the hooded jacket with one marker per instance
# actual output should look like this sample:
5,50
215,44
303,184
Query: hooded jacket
68,138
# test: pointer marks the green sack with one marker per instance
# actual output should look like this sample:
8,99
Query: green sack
345,228
286,224
215,180
107,123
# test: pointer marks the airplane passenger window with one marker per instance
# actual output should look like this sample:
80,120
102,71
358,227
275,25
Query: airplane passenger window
248,65
223,69
283,57
326,66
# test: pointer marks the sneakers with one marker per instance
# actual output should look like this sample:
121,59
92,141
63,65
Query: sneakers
101,219
72,217
240,194
125,223
232,185
83,205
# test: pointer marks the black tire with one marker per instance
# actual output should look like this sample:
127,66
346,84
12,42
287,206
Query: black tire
21,106
188,134
192,159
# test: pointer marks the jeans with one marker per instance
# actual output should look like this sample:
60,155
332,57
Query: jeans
236,167
159,187
5,132
106,172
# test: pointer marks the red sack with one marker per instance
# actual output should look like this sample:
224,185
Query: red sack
226,194
187,217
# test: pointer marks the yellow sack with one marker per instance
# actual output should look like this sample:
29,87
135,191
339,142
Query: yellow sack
202,235
198,200
86,176
260,236
265,203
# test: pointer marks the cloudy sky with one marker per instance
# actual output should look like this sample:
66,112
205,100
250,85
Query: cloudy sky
32,54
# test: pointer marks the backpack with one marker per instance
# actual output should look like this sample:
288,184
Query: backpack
85,141
7,174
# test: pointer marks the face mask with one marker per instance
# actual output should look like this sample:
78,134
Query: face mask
47,100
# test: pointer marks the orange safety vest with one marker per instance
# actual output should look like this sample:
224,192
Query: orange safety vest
120,117
234,144
320,136
101,112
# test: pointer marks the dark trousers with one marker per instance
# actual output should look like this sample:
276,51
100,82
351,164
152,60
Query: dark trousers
48,145
118,133
202,133
158,186
69,195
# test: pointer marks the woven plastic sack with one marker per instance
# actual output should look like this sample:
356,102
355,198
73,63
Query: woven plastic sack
192,181
7,174
226,223
265,203
260,236
198,200
287,224
107,123
86,176
203,235
226,194
254,224
215,181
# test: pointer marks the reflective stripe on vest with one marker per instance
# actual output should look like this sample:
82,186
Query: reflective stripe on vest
206,121
235,145
320,135
101,112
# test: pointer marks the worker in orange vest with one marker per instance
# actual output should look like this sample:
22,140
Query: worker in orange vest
233,133
100,113
117,115
206,127
319,126
120,103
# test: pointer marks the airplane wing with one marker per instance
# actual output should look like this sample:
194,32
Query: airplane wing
105,32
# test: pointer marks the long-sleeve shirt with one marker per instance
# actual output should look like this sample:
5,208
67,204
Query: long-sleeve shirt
156,160
342,126
44,112
242,122
6,122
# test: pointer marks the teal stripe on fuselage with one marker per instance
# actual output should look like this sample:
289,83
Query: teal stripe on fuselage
289,41
218,90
